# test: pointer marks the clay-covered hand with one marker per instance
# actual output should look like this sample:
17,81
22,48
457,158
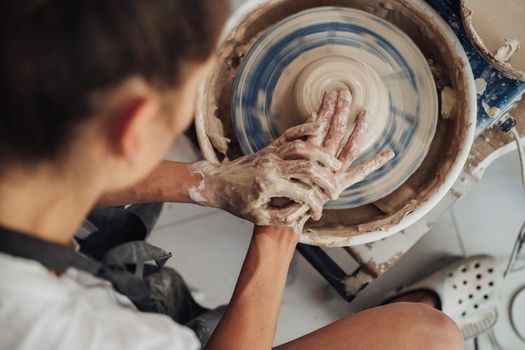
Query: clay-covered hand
332,121
289,169
290,181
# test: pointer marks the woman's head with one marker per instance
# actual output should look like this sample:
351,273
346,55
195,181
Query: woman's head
124,70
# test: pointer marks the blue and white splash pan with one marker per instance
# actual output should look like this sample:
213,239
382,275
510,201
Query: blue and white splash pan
405,117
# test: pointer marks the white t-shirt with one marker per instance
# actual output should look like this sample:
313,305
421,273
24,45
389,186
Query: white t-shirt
39,310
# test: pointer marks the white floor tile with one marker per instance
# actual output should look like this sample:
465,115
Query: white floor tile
490,217
183,150
177,213
208,252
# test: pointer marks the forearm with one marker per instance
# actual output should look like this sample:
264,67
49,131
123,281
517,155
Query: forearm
251,318
169,182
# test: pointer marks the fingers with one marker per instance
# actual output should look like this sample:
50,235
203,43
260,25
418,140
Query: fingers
296,132
305,195
313,117
305,150
364,169
311,172
355,141
338,127
322,197
326,114
287,216
299,225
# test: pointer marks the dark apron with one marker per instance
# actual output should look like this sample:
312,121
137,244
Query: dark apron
122,266
151,288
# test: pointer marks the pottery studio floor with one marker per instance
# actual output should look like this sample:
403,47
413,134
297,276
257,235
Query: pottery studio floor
208,248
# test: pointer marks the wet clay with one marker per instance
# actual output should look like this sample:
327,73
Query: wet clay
447,142
448,101
496,29
505,52
481,86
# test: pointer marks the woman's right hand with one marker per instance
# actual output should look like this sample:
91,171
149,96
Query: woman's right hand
303,169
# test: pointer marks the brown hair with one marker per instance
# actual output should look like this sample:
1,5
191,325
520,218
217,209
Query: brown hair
55,53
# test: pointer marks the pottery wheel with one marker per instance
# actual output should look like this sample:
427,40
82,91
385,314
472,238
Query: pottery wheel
285,74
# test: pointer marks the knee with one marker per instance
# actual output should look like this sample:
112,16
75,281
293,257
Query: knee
437,329
446,331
